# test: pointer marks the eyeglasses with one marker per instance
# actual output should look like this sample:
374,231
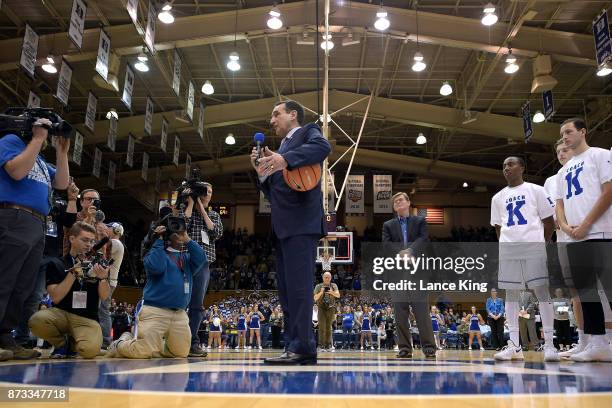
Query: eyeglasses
89,198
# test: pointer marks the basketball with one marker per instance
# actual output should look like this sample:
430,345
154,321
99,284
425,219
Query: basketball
303,178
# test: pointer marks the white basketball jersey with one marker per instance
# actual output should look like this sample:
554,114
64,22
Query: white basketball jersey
550,185
579,185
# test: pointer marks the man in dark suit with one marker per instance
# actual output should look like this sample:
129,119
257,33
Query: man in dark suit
411,232
298,223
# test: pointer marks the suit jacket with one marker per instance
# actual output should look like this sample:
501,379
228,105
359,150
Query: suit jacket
294,212
417,232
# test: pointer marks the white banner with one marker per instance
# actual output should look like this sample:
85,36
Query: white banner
354,199
129,160
382,194
176,78
144,173
103,55
149,116
264,204
33,100
187,166
201,119
132,9
128,86
150,31
177,150
190,101
111,140
90,115
77,22
29,50
164,134
97,163
112,169
77,149
158,179
63,83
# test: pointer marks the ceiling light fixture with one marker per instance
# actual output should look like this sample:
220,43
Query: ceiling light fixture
489,18
233,64
538,117
112,113
165,16
142,65
49,66
230,140
327,44
274,22
382,23
446,89
418,65
511,66
207,88
421,139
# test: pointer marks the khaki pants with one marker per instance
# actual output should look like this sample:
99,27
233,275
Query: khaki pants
326,317
161,333
54,324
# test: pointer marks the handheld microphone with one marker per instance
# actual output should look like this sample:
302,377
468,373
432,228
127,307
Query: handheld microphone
259,139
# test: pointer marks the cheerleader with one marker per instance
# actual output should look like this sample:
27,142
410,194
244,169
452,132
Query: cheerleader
214,329
255,318
436,322
366,329
241,328
475,320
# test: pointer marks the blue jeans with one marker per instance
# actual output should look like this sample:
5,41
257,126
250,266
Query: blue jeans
196,305
30,306
104,318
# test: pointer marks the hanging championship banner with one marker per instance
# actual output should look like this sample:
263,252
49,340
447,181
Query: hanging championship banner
264,204
33,100
201,119
103,55
190,101
77,22
90,115
63,83
97,162
132,9
601,34
527,124
354,200
128,87
77,149
549,104
176,78
29,50
145,166
112,134
150,31
148,116
177,148
112,169
382,194
158,179
129,160
187,166
164,134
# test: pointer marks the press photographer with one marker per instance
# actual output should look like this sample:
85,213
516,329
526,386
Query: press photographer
163,325
325,296
205,227
75,283
26,185
92,214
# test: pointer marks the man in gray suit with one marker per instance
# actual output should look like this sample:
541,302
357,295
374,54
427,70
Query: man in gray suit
411,232
527,326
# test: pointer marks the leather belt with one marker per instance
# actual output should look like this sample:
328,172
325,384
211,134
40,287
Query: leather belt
26,209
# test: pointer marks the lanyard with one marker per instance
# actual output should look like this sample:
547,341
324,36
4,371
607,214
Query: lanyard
178,262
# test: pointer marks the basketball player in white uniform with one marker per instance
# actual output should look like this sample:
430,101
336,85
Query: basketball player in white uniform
564,154
522,214
584,213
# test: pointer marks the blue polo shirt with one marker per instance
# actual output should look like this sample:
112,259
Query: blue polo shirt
33,190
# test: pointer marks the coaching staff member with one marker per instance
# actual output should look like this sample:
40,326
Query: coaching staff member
411,232
26,184
298,223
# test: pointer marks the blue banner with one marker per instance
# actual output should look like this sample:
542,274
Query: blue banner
601,33
527,125
549,104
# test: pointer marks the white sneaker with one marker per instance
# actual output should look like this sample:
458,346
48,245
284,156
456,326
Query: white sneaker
470,348
550,354
396,348
260,348
248,348
361,348
510,352
594,351
576,348
111,351
333,348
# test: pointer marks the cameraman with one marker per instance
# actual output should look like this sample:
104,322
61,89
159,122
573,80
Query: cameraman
76,293
90,214
163,325
205,227
325,295
26,184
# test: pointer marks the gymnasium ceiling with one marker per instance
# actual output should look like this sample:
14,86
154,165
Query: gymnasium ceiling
456,46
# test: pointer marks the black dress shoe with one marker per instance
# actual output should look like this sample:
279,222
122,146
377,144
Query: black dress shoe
291,358
429,350
404,353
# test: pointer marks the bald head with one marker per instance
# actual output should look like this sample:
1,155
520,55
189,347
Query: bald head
327,278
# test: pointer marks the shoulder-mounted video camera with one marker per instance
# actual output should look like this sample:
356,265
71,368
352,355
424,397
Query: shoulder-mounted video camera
174,225
19,121
194,183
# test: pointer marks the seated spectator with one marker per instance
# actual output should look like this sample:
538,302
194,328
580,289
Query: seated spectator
163,325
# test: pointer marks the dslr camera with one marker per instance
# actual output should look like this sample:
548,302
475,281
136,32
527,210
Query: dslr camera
94,257
194,183
19,121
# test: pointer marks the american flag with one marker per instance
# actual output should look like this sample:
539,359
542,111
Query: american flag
433,216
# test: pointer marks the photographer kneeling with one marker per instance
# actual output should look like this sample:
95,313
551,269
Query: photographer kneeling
163,325
75,285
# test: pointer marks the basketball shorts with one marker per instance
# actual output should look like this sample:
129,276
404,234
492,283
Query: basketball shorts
521,273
